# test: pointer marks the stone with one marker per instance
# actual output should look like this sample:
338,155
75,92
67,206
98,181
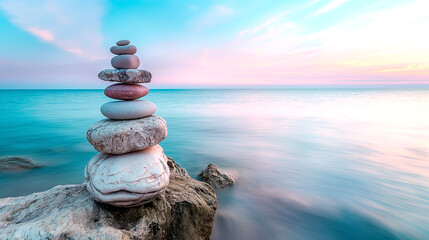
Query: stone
128,76
176,168
127,110
184,211
124,91
122,42
129,179
125,61
216,177
118,137
16,163
120,50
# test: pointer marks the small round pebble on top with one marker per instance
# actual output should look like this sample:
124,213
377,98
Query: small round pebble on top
122,42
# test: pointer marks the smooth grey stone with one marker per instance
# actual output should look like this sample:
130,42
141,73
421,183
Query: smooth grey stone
125,110
122,42
125,61
120,50
118,137
129,76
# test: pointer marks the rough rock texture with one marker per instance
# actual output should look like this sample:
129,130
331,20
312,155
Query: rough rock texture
185,211
130,179
14,163
176,168
127,110
129,76
216,177
118,137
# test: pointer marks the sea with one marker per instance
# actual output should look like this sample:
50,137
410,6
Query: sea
309,163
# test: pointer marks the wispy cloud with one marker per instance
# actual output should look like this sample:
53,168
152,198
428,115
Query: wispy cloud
269,22
213,16
43,34
330,6
67,24
383,46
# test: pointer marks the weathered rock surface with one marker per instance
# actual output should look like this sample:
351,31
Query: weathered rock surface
129,76
216,177
119,50
184,211
127,110
176,168
118,137
125,61
15,163
130,179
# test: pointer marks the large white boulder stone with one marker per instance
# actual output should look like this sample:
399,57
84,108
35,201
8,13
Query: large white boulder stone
130,179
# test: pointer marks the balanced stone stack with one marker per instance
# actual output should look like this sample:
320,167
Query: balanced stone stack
131,168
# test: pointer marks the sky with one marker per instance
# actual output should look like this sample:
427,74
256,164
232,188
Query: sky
218,44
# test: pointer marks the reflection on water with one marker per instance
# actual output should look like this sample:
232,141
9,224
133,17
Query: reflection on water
311,164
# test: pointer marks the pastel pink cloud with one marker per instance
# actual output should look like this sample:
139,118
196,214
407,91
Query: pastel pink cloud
43,34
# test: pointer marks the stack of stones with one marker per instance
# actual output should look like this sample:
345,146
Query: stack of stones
131,168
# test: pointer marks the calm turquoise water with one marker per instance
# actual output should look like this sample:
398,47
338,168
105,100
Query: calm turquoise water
311,164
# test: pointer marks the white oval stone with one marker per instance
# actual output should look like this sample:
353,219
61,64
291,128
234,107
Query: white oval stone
129,179
118,137
125,110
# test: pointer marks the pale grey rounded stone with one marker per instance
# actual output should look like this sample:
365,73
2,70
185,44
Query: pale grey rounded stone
128,76
125,61
129,179
118,137
127,110
122,42
120,50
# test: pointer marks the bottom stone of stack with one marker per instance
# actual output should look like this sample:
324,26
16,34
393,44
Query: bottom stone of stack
130,179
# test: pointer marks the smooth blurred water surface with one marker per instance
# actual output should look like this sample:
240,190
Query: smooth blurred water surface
311,164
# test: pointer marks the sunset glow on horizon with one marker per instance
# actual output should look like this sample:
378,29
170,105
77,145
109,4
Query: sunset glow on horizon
64,44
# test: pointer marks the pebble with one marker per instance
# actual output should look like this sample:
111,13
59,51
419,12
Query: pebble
125,61
126,110
123,91
128,76
130,179
120,50
122,42
118,137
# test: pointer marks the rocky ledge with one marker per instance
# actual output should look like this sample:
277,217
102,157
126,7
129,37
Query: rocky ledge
184,211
